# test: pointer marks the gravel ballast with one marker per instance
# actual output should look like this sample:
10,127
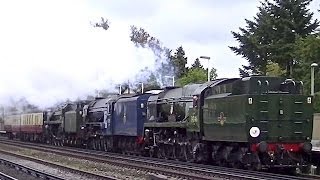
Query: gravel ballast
38,166
82,164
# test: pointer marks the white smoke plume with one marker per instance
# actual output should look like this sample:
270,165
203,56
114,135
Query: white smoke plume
49,52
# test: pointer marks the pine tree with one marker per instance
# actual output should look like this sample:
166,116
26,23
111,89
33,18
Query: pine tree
291,20
213,74
272,35
196,64
179,62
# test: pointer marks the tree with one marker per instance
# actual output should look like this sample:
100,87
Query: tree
273,69
179,62
307,51
272,35
103,24
291,20
213,74
253,45
196,64
141,38
195,75
198,69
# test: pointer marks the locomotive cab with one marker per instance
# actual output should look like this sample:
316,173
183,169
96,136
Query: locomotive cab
271,114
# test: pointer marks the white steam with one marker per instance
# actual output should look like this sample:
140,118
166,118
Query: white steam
49,52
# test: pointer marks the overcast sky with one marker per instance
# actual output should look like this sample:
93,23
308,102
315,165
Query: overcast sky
202,27
49,50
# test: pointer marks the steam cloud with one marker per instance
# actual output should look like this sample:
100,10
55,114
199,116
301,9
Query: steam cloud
50,52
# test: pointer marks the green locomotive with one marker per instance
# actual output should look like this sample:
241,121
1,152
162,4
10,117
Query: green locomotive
255,122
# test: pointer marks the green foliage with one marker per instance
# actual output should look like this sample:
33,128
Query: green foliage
197,74
316,102
179,62
271,37
308,49
213,74
273,69
196,64
194,75
308,52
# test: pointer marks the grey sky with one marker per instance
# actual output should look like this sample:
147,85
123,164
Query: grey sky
201,27
50,51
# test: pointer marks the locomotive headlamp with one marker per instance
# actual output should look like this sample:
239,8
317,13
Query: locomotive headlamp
250,100
309,100
254,132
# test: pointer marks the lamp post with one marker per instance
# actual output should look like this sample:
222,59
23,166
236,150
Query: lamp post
172,79
208,58
313,65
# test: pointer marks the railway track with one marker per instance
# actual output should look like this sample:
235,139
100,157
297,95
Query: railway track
44,175
27,170
164,167
4,176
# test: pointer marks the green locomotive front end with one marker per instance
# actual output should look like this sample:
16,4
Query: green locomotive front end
261,121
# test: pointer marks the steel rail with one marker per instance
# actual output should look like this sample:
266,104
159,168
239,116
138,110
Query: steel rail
165,167
44,175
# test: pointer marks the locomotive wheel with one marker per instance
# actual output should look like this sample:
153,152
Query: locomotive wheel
93,144
199,153
152,151
236,160
99,144
169,152
236,164
223,163
185,153
174,151
255,167
104,145
161,152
